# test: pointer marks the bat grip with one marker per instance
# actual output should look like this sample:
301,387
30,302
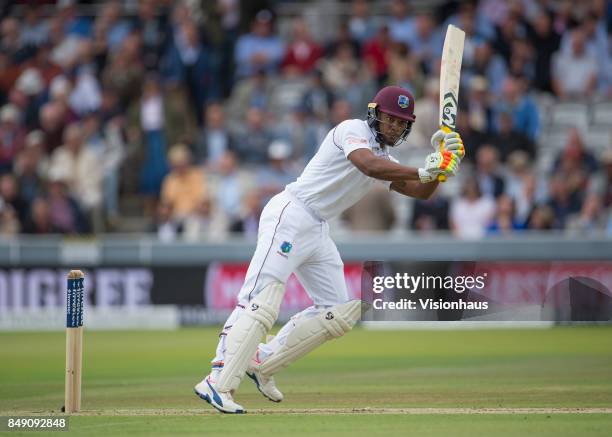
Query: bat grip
445,129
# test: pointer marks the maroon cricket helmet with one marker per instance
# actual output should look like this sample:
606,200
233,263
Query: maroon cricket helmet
397,102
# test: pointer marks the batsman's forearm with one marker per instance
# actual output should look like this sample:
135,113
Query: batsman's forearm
385,170
415,189
424,191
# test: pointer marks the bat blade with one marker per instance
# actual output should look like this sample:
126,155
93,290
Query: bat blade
450,74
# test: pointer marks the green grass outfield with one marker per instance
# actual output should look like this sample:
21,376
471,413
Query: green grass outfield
471,382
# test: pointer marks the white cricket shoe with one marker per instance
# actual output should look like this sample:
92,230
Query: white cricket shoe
265,384
219,400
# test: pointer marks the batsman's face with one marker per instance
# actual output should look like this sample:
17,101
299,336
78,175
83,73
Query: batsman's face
392,127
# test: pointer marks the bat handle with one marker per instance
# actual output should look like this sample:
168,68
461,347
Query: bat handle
445,129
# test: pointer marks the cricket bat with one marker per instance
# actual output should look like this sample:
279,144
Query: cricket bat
450,73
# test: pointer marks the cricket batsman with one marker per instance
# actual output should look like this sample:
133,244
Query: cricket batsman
294,238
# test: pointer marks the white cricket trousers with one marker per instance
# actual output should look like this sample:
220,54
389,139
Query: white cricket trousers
291,239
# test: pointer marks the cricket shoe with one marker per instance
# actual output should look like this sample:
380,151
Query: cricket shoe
219,400
265,384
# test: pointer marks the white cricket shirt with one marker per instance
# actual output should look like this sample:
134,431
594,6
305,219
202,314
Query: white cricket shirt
330,183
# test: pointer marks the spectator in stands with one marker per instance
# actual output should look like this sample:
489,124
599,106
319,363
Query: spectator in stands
289,87
472,138
603,181
253,139
375,53
431,214
543,35
541,218
361,88
490,182
426,44
404,69
72,24
260,49
519,103
426,111
401,24
522,60
28,95
86,95
342,66
166,227
30,167
9,223
525,197
488,65
505,221
117,28
374,212
467,20
214,139
362,24
507,31
340,111
152,123
124,73
65,33
107,143
10,42
479,106
52,125
228,184
42,62
593,29
34,30
79,168
318,98
574,72
180,126
185,186
590,219
10,196
562,200
65,212
509,140
575,164
271,179
302,52
39,221
151,22
228,13
248,222
204,224
59,93
471,214
303,132
254,92
190,62
12,136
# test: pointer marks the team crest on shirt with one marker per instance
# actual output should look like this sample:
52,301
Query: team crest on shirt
403,101
285,248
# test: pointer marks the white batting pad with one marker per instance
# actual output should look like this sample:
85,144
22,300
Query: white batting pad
311,333
247,332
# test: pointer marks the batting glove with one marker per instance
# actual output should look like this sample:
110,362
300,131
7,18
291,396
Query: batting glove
438,163
448,142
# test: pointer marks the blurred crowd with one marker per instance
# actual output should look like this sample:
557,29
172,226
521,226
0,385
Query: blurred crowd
198,112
